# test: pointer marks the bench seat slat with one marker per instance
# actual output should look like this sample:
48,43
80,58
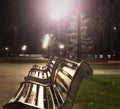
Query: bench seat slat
43,74
58,94
70,71
64,78
25,92
32,95
51,101
40,101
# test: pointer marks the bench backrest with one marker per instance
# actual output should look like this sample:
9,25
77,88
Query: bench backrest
49,62
66,83
45,71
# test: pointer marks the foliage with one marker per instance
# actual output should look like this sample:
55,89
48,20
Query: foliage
86,40
98,17
104,18
71,34
53,47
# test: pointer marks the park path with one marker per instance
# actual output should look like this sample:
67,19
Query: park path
106,72
10,77
12,74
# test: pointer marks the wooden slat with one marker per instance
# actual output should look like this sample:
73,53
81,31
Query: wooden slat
70,71
53,102
40,101
65,78
32,95
25,93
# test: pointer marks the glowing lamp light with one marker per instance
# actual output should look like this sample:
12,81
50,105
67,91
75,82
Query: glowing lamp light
46,41
24,47
6,48
114,28
61,46
59,8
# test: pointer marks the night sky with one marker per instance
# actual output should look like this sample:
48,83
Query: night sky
27,16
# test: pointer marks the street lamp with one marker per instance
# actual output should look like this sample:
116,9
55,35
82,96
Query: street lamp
46,42
6,48
78,34
59,9
24,48
61,47
114,28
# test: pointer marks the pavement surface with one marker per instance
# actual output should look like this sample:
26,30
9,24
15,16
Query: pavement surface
12,74
107,72
10,77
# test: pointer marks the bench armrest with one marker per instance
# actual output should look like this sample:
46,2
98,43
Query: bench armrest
39,80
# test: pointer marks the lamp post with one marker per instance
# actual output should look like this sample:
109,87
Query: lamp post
115,40
24,48
59,9
46,42
6,51
114,28
6,48
78,31
61,47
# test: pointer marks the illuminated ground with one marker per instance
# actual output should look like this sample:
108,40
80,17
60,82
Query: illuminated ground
10,77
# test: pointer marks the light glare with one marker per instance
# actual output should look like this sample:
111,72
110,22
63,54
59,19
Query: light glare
24,47
114,28
59,8
46,41
61,46
6,48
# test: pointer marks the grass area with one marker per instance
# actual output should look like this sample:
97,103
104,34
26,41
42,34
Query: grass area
99,92
22,60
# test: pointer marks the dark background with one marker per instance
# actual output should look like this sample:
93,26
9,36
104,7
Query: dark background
24,19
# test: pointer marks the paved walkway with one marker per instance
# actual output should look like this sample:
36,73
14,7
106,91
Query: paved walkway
106,72
10,77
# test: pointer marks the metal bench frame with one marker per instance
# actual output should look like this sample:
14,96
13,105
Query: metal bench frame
57,93
45,73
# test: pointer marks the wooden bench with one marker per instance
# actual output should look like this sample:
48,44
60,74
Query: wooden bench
60,93
50,64
43,74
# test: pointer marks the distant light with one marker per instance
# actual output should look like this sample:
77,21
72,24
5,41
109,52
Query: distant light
24,47
6,48
61,46
46,41
114,28
51,35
